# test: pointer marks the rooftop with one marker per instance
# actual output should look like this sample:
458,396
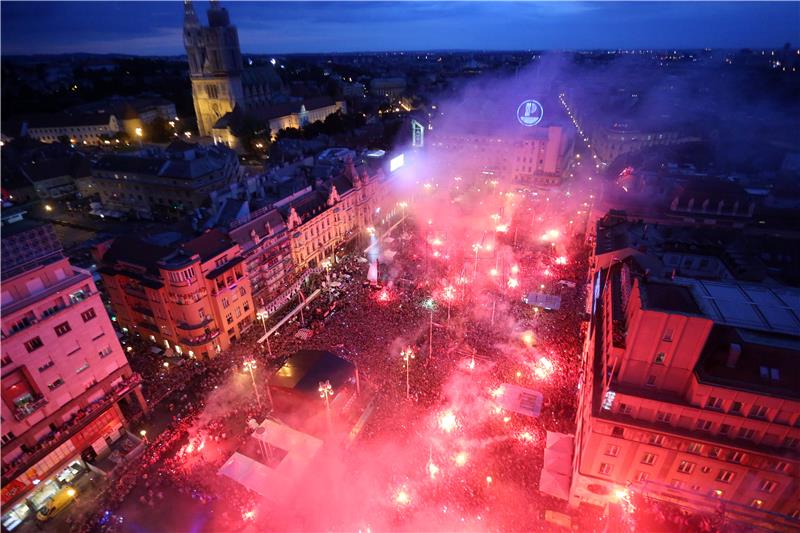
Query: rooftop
668,297
752,306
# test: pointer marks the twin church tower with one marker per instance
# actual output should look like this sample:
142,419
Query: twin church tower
220,82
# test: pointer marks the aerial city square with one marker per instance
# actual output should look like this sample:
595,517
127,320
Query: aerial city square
400,266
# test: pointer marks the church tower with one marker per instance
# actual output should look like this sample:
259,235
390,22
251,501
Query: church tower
215,64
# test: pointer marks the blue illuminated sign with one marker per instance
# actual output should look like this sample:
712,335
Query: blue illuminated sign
530,113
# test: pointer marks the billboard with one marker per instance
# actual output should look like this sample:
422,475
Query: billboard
396,162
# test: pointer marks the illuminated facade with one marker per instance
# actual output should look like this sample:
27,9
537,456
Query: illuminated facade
193,298
538,157
220,82
690,395
66,383
334,212
79,129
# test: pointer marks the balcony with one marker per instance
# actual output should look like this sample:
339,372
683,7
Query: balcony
50,312
149,326
21,413
199,341
46,292
78,420
142,310
203,323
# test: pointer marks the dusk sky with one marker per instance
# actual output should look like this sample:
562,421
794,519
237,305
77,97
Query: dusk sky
146,28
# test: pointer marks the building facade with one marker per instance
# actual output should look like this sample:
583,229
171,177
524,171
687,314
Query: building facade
264,242
178,178
90,129
67,386
689,395
220,82
537,158
192,298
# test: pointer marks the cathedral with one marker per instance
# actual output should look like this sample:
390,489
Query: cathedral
220,81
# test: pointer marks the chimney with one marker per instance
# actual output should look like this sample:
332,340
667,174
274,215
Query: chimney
734,351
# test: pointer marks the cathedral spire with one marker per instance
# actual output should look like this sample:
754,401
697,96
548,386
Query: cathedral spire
190,19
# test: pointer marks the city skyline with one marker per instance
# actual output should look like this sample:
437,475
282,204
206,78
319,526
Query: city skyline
338,27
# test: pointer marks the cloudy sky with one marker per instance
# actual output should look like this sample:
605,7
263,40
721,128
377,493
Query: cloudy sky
146,28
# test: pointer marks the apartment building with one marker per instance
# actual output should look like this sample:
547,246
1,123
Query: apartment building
67,387
690,394
192,296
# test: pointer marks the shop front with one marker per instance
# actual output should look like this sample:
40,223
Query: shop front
26,495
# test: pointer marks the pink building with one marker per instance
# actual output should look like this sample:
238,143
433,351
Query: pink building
66,382
690,395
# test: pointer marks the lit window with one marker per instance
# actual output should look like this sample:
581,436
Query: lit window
612,450
649,459
767,485
606,469
725,476
686,467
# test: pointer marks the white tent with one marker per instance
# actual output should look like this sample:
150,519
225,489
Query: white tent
520,400
557,471
275,483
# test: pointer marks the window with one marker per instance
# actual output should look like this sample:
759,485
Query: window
105,352
242,291
225,303
84,366
62,329
651,381
715,452
736,408
238,312
780,466
660,356
705,469
649,458
245,307
229,318
695,447
724,429
767,485
8,437
703,425
606,469
725,476
676,483
612,450
735,457
88,315
641,476
6,360
746,433
617,431
758,411
34,344
625,409
790,442
56,384
795,514
686,467
769,373
661,416
667,335
714,403
658,440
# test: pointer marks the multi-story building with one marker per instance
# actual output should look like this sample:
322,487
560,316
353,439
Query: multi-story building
220,81
193,298
537,158
66,383
690,393
78,129
264,243
334,211
158,181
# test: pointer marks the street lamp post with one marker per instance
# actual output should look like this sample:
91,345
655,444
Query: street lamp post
250,365
475,247
326,391
408,355
430,304
263,315
449,294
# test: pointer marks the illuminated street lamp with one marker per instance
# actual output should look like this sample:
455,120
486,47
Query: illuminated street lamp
430,304
250,365
449,294
326,391
143,434
263,316
48,207
475,247
407,355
